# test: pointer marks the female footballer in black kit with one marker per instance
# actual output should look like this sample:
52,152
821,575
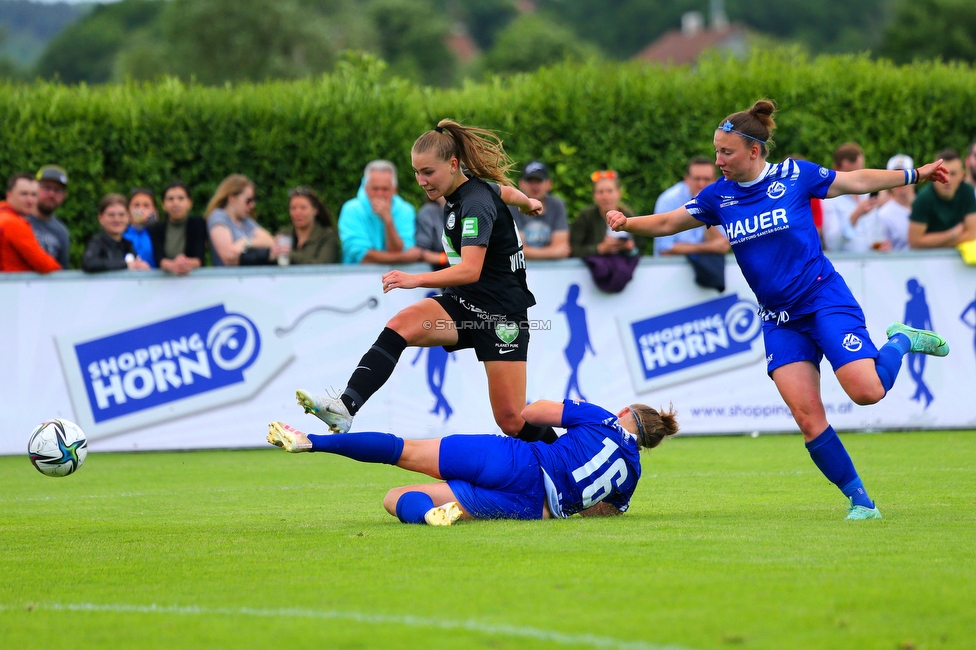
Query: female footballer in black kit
485,296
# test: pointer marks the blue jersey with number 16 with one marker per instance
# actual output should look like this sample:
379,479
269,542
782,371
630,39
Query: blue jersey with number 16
770,226
595,460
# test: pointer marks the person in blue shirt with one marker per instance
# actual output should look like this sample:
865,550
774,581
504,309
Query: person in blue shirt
699,174
808,311
592,469
378,227
142,214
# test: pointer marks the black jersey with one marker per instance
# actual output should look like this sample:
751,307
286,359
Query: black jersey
475,215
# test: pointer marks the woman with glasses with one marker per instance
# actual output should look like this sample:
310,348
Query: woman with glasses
592,469
589,234
808,311
235,236
312,234
485,298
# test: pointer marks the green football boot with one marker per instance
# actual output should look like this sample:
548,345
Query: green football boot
923,341
860,512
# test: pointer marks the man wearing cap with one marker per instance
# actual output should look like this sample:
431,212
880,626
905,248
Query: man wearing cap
19,250
546,235
892,217
51,234
699,174
944,214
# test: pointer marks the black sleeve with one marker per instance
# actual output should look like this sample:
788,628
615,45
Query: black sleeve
157,234
99,258
196,239
256,257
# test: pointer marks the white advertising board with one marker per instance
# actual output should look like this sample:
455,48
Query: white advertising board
150,361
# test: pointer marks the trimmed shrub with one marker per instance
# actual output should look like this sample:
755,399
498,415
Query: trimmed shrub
643,121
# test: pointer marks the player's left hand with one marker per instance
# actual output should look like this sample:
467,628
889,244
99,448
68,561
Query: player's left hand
398,280
534,209
934,171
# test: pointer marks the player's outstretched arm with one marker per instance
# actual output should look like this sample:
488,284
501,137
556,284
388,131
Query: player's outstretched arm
864,181
467,271
544,413
653,225
517,198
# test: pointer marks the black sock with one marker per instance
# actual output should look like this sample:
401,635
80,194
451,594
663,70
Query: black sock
373,370
533,433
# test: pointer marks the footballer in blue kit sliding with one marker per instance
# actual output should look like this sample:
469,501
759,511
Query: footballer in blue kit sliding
807,309
592,469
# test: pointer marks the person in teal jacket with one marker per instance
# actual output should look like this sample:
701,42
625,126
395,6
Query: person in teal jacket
378,227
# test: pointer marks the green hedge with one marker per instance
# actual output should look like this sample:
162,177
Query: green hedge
643,121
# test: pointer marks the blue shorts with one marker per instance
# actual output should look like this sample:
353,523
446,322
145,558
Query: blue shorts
493,477
830,325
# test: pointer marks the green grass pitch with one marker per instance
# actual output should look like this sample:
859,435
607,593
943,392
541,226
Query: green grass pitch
731,542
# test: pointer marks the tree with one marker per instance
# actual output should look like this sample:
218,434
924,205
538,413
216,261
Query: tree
244,40
412,39
86,50
484,19
929,29
533,41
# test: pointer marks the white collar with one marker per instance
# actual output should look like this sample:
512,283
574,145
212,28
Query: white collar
761,176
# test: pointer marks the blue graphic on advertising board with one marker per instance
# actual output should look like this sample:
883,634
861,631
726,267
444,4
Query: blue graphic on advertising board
964,316
166,361
579,339
917,315
437,358
695,335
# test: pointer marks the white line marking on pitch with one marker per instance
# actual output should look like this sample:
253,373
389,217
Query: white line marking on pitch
376,619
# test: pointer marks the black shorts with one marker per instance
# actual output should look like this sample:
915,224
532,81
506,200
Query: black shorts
494,337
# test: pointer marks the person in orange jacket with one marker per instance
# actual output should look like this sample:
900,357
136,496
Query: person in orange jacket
19,249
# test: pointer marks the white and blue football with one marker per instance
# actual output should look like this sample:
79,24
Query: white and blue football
57,447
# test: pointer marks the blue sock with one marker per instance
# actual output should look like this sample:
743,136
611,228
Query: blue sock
889,359
830,457
412,506
366,447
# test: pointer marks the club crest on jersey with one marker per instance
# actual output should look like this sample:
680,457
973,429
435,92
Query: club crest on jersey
775,190
851,343
450,221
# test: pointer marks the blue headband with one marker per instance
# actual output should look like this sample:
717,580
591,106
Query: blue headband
640,426
727,127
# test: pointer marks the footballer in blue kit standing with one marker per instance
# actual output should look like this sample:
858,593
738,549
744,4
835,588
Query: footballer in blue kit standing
807,309
592,469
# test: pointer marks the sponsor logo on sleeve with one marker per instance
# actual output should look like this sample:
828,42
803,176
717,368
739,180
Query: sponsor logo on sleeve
469,227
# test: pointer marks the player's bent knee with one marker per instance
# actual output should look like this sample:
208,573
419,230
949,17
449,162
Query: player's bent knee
391,498
867,395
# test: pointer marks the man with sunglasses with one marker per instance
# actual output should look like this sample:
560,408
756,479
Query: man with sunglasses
51,234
